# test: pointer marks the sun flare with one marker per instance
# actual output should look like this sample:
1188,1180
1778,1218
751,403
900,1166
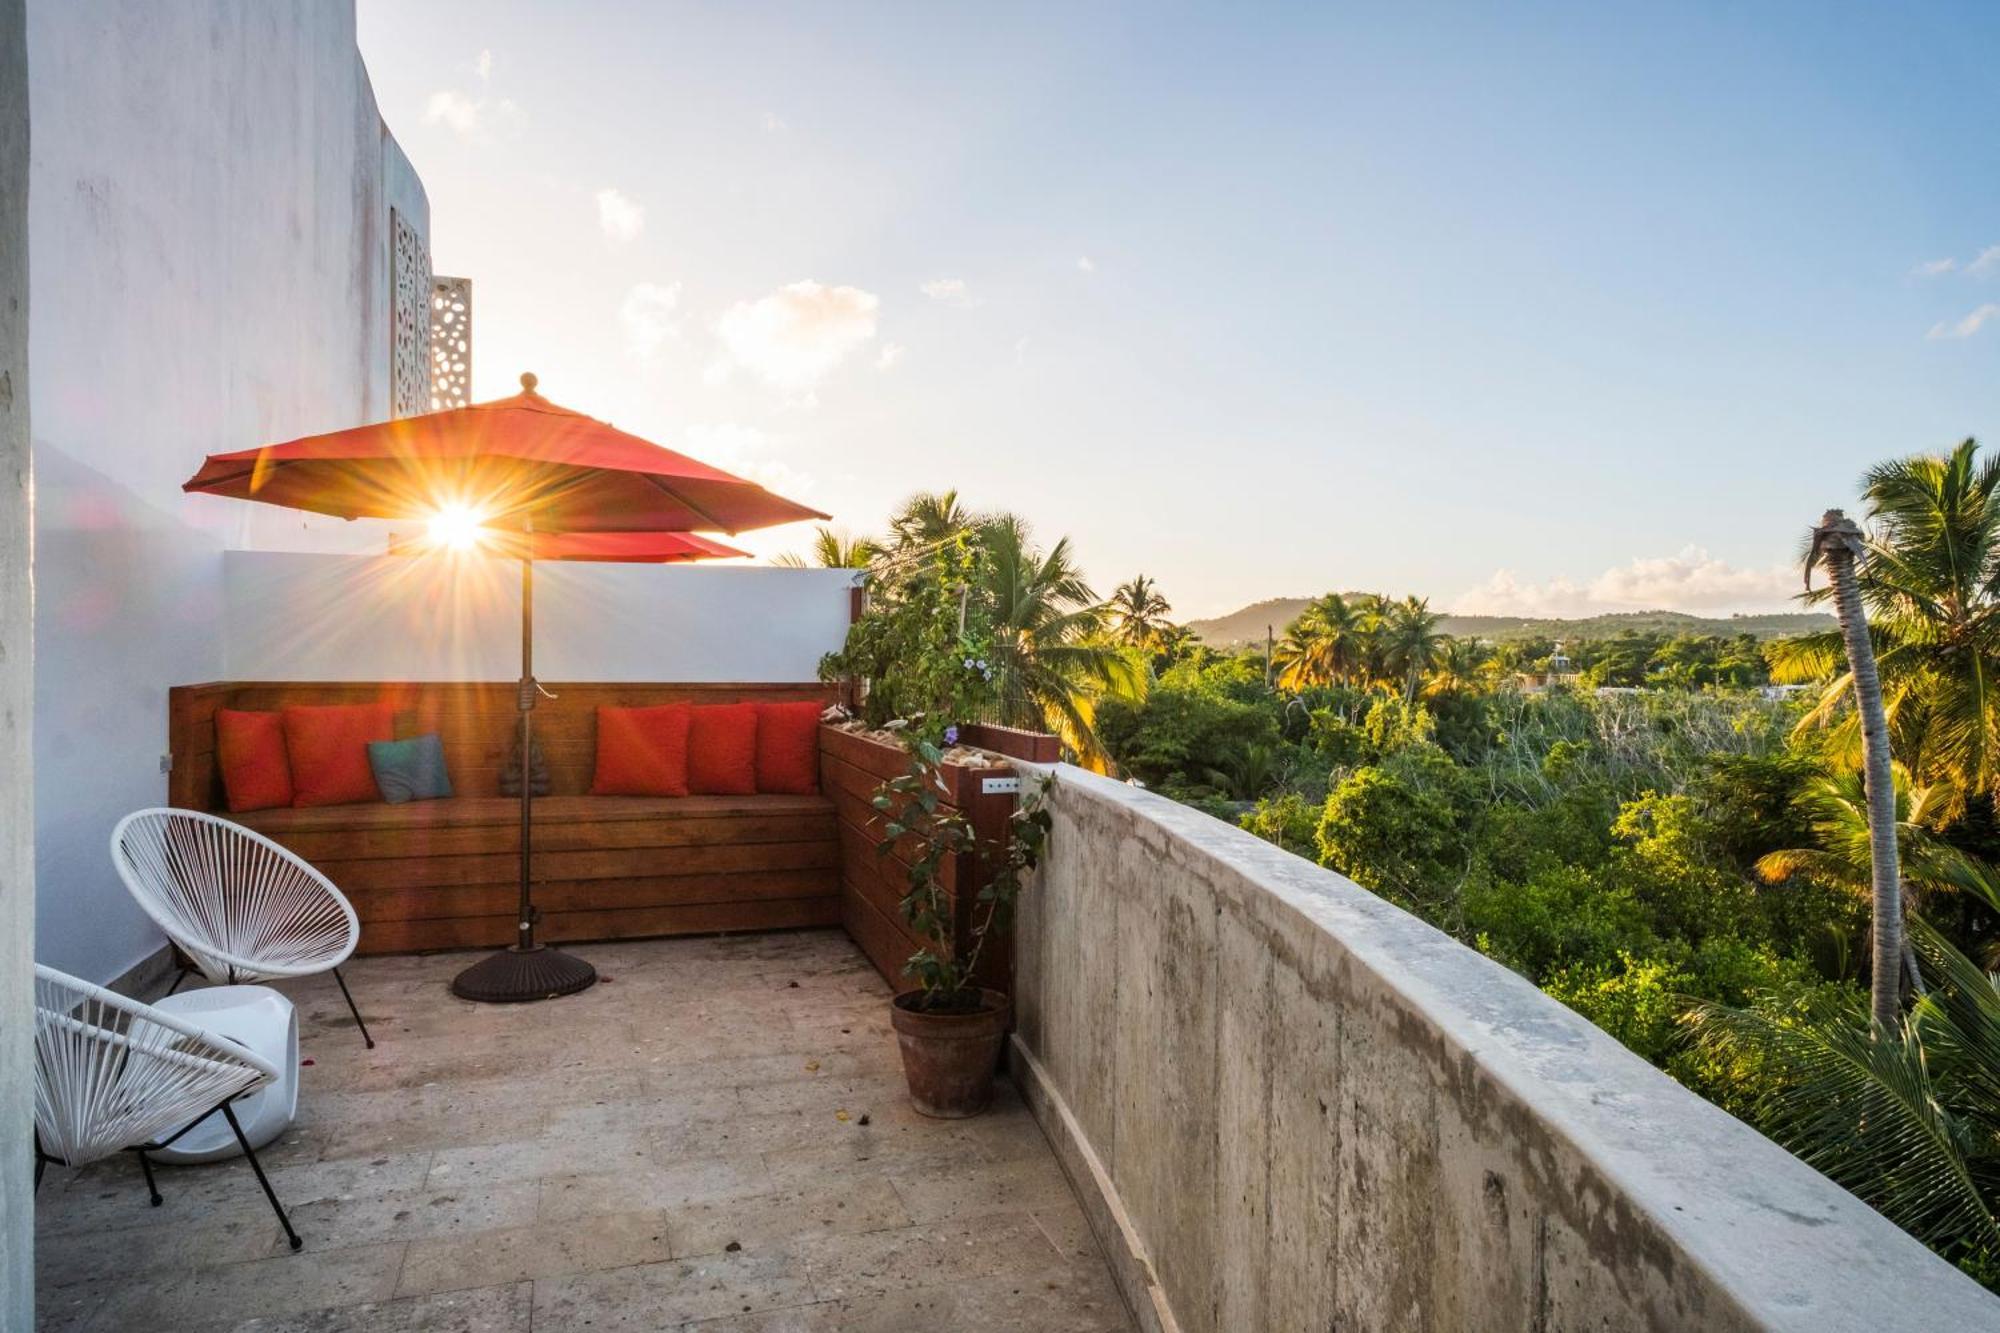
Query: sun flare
457,527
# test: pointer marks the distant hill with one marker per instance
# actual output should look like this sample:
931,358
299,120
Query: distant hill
1247,625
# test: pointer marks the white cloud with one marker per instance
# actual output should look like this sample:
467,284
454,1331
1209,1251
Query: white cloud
1965,326
1935,268
470,117
773,123
952,291
1085,264
621,218
891,354
453,108
649,316
484,65
794,337
750,453
1692,580
1985,263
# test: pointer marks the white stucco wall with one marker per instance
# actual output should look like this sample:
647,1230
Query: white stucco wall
209,213
443,617
17,861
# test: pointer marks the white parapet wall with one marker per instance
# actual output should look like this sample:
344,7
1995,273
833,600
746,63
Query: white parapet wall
458,617
1290,1105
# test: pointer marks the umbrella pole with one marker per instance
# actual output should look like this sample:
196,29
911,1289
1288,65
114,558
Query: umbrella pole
527,971
526,704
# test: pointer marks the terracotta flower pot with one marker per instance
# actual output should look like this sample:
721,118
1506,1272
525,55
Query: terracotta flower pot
949,1059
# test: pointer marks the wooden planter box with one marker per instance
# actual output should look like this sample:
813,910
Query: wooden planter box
851,767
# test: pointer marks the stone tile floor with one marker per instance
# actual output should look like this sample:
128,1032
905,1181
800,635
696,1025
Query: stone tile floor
716,1138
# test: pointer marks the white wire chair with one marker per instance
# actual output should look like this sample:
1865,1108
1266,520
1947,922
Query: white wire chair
240,906
114,1075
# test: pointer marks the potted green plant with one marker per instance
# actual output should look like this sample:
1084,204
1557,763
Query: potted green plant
949,1027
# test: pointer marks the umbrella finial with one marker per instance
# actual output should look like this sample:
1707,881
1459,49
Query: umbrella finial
528,381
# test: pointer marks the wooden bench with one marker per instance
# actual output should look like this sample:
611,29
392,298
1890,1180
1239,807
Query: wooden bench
443,874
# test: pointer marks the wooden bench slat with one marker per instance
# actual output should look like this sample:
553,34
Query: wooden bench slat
490,932
608,864
505,811
580,834
426,903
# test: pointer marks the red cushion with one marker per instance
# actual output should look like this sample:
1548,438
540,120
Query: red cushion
642,751
328,745
788,748
250,750
722,750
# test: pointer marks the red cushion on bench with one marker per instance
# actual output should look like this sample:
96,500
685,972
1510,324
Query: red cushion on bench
642,751
722,750
328,747
250,751
788,748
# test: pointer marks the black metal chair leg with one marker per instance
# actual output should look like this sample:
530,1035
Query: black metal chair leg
146,1165
353,1010
258,1167
179,977
41,1165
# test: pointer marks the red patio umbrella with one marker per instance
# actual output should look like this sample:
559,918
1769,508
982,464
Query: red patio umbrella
635,548
516,465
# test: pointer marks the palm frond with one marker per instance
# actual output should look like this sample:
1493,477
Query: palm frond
1865,1112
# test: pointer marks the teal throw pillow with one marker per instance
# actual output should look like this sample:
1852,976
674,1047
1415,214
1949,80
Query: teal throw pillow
411,770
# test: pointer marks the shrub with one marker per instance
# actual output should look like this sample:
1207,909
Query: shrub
1636,1000
1401,828
1200,736
1289,820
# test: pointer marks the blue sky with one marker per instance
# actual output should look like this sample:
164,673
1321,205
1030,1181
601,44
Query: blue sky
1536,308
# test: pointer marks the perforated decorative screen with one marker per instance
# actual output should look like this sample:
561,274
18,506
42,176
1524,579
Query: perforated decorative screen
451,342
410,330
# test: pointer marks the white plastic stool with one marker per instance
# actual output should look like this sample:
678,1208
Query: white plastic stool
264,1021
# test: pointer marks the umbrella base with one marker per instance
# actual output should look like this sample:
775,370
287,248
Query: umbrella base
514,976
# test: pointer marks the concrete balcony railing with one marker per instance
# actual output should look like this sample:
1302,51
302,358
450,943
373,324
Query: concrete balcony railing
1289,1105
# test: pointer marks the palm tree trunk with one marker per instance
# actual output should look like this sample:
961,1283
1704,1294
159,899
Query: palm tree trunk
1837,541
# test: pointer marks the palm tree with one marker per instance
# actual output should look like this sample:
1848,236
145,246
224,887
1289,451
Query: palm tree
1297,657
1140,613
1175,642
1050,659
1837,542
1503,662
830,550
1459,668
1907,1117
1410,640
1931,583
1325,645
929,517
1370,654
1836,808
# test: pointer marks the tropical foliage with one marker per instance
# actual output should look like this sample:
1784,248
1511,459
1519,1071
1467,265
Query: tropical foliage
1645,827
831,549
969,620
1641,822
1139,614
1931,582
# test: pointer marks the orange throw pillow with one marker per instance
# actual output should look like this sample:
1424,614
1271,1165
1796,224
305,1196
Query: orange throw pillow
250,750
642,751
328,745
722,750
788,748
